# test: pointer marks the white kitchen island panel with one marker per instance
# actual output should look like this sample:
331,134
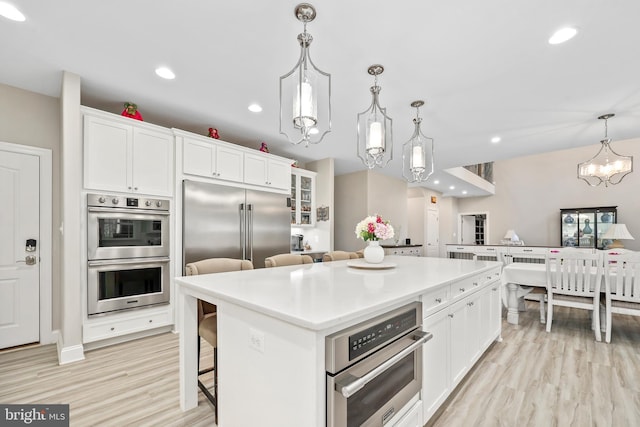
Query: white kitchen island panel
272,325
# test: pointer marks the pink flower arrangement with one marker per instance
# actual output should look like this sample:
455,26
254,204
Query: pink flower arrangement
374,228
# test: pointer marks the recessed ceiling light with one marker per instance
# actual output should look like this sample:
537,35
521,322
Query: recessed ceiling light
495,139
464,192
255,108
436,182
452,187
562,35
10,12
165,73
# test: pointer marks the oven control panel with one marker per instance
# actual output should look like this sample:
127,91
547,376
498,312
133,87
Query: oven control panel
381,333
345,347
110,201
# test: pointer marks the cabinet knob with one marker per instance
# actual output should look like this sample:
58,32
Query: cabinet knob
475,283
470,303
462,289
451,315
438,300
135,188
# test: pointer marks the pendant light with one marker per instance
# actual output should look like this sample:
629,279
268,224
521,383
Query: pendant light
375,137
305,92
607,166
417,152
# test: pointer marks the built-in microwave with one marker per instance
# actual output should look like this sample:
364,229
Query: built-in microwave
120,227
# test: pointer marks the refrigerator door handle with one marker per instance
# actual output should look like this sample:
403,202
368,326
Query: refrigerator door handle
250,231
242,231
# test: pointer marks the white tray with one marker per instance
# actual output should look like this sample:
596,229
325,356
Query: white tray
360,263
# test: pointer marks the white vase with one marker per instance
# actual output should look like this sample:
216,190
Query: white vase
374,253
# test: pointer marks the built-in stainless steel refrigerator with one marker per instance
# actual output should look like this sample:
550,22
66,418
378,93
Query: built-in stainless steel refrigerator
228,222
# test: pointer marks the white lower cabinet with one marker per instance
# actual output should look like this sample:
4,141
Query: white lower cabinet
462,330
413,418
119,324
437,360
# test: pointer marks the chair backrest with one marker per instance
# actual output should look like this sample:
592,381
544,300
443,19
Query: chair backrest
574,272
360,253
339,256
287,259
214,265
622,275
217,265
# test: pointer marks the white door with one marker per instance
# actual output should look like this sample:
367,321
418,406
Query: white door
19,261
433,233
468,230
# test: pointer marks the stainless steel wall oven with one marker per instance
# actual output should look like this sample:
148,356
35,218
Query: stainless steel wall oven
374,368
127,251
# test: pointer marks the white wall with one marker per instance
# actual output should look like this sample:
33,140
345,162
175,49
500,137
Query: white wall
364,193
32,119
531,190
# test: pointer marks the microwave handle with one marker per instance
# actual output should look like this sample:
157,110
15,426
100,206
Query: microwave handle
352,384
101,262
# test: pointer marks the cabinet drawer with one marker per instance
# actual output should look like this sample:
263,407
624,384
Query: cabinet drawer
108,329
434,301
463,287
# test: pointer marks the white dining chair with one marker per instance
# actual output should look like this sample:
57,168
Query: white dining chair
573,280
622,285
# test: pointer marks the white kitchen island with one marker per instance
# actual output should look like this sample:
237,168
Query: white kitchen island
272,325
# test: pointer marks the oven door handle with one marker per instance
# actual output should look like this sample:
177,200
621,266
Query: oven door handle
99,263
353,384
128,211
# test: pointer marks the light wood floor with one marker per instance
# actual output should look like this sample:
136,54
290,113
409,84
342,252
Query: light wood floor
531,378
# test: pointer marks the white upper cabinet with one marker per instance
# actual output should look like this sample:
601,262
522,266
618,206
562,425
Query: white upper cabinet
303,197
259,169
127,157
208,159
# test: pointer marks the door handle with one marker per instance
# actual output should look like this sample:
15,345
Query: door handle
29,260
353,383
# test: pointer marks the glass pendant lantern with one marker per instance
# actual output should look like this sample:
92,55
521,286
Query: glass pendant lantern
374,128
417,152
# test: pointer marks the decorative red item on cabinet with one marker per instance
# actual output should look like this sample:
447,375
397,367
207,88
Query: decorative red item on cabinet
131,111
263,147
213,133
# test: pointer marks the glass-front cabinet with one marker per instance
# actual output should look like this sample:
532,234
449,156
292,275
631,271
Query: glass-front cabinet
303,188
584,227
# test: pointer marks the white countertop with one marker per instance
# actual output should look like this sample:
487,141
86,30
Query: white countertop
323,295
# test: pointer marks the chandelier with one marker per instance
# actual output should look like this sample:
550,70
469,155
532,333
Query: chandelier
417,152
375,137
305,92
607,166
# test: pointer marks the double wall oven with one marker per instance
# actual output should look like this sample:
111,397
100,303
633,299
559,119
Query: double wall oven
374,368
128,252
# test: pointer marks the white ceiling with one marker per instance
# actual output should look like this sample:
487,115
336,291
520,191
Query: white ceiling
484,68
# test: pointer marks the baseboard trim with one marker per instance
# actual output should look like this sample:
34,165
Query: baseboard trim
74,353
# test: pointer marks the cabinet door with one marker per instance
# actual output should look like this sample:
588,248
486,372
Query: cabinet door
255,169
230,164
495,312
473,336
152,162
435,373
279,174
107,155
198,158
307,214
459,345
